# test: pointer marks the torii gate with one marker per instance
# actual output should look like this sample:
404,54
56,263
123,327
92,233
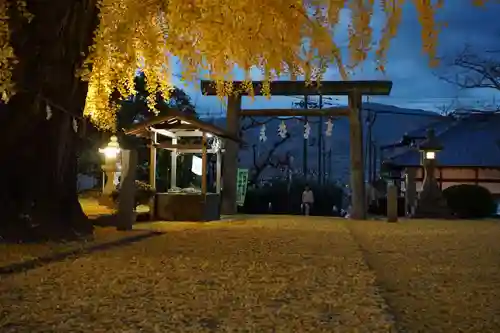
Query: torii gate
355,90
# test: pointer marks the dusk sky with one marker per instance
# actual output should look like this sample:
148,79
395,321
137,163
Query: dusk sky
415,85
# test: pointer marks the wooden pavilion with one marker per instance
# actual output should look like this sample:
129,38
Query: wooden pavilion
183,133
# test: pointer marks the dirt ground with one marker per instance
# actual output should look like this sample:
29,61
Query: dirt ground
437,276
270,274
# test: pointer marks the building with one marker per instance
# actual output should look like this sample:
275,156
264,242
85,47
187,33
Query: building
471,153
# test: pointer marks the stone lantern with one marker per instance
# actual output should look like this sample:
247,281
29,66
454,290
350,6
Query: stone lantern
392,174
109,167
431,202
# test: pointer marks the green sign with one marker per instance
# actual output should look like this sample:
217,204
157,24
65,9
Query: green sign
241,186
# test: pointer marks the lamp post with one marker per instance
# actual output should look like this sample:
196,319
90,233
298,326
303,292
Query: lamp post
109,167
431,202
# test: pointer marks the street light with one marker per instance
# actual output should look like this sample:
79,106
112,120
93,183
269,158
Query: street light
431,202
109,167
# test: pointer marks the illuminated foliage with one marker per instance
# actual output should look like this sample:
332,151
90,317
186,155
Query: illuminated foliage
276,36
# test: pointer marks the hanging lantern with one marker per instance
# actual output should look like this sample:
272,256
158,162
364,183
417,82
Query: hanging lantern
329,127
282,132
307,130
262,136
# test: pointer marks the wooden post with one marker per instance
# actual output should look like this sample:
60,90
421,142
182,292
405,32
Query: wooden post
152,160
126,205
173,165
152,172
204,164
411,191
231,156
356,151
218,172
392,202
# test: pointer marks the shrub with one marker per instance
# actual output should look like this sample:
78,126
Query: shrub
143,193
469,201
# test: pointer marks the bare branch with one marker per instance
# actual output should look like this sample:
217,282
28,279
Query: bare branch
259,165
471,69
255,123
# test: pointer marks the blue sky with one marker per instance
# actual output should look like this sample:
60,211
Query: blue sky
415,83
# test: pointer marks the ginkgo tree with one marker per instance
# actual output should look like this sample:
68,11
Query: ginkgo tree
75,55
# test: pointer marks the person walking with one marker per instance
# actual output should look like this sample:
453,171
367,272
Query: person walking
307,200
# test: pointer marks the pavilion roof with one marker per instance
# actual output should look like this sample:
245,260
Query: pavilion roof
176,121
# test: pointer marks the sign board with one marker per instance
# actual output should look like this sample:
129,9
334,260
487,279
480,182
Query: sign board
241,186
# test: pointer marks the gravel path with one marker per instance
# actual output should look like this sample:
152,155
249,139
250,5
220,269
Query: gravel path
264,275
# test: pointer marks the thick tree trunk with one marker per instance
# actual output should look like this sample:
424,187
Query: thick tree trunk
38,196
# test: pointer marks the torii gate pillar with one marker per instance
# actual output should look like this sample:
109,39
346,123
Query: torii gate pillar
230,166
358,197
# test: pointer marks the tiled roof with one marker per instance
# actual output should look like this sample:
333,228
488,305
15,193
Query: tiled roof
472,140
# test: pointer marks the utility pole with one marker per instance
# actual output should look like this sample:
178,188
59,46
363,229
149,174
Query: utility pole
330,171
304,148
374,161
320,138
326,174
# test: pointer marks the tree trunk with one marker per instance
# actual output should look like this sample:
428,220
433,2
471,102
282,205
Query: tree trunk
38,197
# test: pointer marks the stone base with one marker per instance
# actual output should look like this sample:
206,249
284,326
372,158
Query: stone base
432,207
187,207
107,201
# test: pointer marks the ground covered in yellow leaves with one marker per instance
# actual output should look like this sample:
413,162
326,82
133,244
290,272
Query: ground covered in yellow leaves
92,208
270,274
15,253
437,276
282,275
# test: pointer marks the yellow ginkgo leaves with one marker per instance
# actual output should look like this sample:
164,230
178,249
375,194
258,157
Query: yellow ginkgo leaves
277,36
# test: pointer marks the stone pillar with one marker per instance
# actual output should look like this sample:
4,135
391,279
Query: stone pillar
109,169
231,156
358,211
392,202
126,205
